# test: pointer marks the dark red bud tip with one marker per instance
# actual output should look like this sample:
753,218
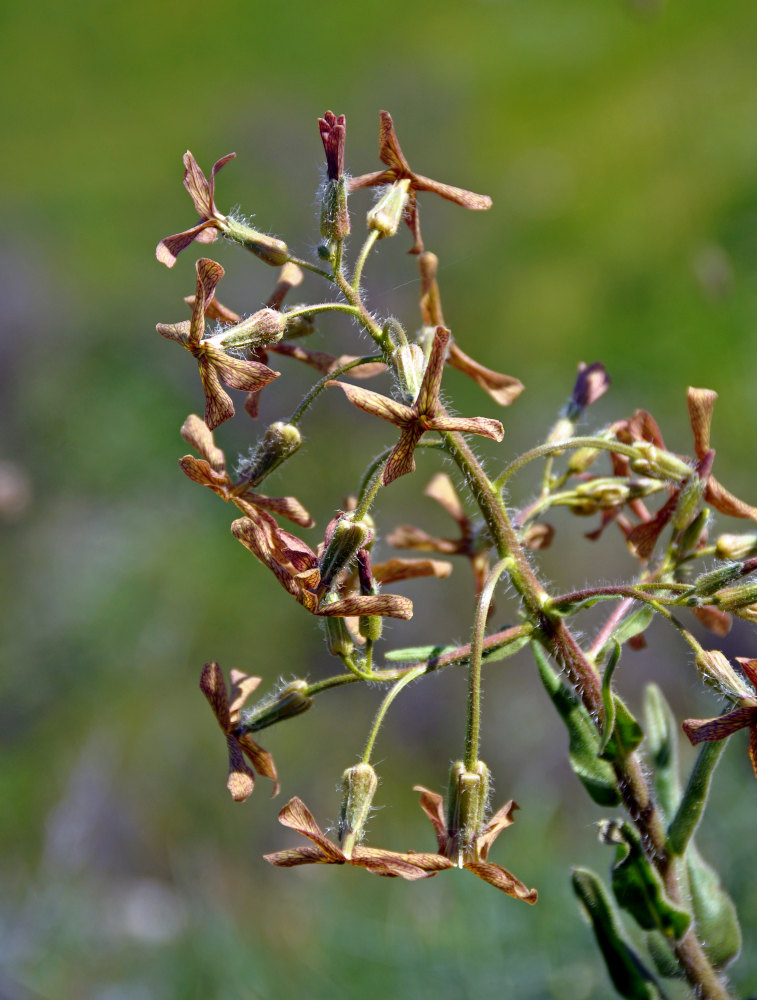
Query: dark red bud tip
333,132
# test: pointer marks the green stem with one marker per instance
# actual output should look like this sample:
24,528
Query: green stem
321,384
384,708
694,799
307,266
321,307
473,728
360,264
600,443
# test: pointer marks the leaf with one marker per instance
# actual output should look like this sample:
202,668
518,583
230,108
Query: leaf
628,974
662,749
596,775
637,886
634,624
714,912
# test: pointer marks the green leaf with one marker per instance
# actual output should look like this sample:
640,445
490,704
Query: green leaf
637,886
662,749
596,775
628,974
694,799
662,957
634,624
716,918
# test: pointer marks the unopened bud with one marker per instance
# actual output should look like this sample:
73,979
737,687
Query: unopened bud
291,700
386,214
562,430
267,248
656,461
689,500
466,807
736,598
264,327
359,784
347,537
581,459
736,546
338,639
708,583
279,442
409,363
715,668
335,219
694,533
301,325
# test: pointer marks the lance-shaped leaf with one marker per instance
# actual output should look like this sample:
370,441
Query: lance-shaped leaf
215,365
626,970
596,775
426,413
636,885
716,918
399,169
661,746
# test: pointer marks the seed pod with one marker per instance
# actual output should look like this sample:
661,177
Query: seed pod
386,214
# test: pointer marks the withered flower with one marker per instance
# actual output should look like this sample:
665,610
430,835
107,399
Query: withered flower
226,706
475,859
399,169
210,470
472,542
743,717
503,389
216,366
425,414
202,192
390,864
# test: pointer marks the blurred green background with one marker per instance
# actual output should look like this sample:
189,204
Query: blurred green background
618,142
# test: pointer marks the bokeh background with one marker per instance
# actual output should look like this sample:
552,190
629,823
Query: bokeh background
618,142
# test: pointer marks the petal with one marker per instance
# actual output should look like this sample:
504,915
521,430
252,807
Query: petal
592,383
213,171
175,331
484,426
375,179
383,605
406,536
643,537
428,396
392,864
216,310
241,687
290,276
433,806
302,856
198,187
401,461
502,879
500,821
218,404
380,406
701,403
209,273
750,669
441,489
236,372
431,303
468,199
200,472
394,570
724,501
711,730
753,748
196,433
297,816
241,780
714,619
213,686
390,152
288,507
170,247
503,389
261,760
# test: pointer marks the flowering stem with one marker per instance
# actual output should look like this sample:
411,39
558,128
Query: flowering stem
384,707
321,383
360,264
473,729
321,307
308,266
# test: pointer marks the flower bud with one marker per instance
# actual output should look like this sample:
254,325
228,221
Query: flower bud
736,546
359,784
298,326
347,537
291,700
409,363
466,807
277,444
694,533
715,668
689,500
736,598
562,430
708,583
386,214
581,459
335,219
264,327
657,462
267,248
338,639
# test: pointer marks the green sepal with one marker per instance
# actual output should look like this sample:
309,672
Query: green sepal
716,917
634,624
662,749
629,976
417,654
595,774
637,886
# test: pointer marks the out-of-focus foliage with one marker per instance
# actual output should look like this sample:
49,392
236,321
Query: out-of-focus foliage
618,142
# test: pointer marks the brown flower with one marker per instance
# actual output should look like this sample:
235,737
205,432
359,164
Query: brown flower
202,192
503,389
426,413
210,471
743,717
216,366
390,864
475,859
226,707
398,169
472,543
333,130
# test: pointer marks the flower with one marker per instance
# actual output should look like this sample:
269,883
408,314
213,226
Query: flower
743,717
210,471
332,129
472,542
216,366
503,389
425,414
202,192
390,864
474,860
399,169
226,706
